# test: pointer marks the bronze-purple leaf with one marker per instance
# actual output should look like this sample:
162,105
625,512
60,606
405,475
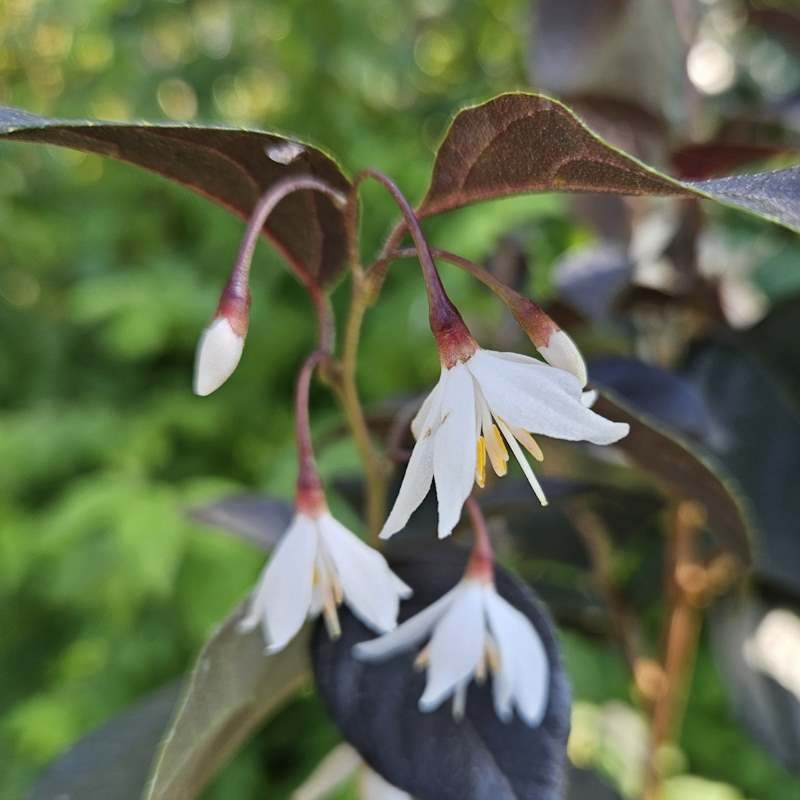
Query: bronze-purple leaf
684,469
519,143
231,166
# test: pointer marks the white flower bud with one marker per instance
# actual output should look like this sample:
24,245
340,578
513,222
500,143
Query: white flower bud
563,353
218,354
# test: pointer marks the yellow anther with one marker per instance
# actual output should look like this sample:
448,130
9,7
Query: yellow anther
331,618
529,443
492,656
421,661
480,466
496,448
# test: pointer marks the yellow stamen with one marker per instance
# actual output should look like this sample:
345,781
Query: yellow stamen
529,443
480,466
331,618
421,661
498,454
492,656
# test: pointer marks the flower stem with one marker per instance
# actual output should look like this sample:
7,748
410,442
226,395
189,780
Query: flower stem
375,468
481,560
310,494
446,322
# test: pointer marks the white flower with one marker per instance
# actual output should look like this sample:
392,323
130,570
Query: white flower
218,354
479,405
316,565
473,628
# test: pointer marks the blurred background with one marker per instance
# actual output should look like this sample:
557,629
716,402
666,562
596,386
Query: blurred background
108,274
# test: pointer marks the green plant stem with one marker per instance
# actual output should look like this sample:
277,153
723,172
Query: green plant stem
375,467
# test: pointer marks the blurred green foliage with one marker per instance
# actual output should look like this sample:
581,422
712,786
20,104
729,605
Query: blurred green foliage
107,276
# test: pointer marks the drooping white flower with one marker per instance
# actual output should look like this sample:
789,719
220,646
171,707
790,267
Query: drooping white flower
560,351
473,631
317,565
481,403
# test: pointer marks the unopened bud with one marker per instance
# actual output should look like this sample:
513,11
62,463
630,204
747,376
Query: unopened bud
555,346
218,353
560,351
220,346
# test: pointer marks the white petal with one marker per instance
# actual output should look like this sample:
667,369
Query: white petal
218,353
416,484
589,398
523,660
541,399
562,352
430,404
283,598
455,448
523,462
456,647
365,576
409,634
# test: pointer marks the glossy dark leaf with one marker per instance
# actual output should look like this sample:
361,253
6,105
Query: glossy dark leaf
518,143
231,166
432,756
113,760
669,398
755,433
753,643
687,471
586,784
255,518
233,688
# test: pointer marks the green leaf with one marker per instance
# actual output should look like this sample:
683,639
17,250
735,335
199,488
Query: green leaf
231,166
233,687
687,471
518,143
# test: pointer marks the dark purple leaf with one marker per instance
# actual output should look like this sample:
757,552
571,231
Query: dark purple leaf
667,397
431,755
255,518
755,433
231,166
233,688
113,760
519,143
687,471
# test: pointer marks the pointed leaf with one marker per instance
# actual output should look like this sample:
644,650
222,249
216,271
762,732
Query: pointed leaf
686,470
113,760
519,143
231,166
258,519
233,688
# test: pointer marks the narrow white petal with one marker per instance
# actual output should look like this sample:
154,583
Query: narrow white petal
523,462
416,484
523,660
589,398
366,579
455,445
540,399
424,418
284,595
563,353
456,646
218,354
409,634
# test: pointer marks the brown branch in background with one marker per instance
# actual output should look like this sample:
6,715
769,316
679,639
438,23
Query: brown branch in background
646,673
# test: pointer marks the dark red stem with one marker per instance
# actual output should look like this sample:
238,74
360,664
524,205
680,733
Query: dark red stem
481,560
310,495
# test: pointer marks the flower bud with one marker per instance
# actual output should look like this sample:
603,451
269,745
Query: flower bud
560,351
220,346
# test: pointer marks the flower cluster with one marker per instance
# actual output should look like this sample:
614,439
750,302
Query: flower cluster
485,404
